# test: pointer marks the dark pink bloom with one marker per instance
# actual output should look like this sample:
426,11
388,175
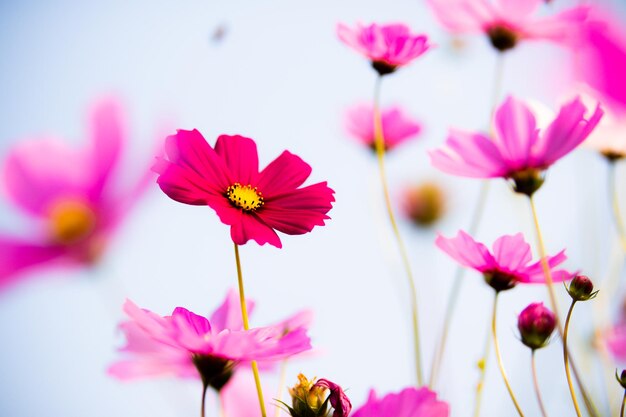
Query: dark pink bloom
506,22
190,346
536,324
397,126
227,179
338,399
519,150
508,264
75,197
410,402
387,46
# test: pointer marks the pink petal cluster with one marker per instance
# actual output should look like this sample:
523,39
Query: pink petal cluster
509,260
226,178
517,145
75,198
338,399
410,402
398,127
168,345
508,21
387,46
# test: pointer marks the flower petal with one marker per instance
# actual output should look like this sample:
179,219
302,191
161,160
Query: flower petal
240,156
516,132
511,252
17,256
282,175
466,251
228,314
250,226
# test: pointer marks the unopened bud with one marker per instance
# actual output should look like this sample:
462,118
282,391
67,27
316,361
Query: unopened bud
536,324
581,288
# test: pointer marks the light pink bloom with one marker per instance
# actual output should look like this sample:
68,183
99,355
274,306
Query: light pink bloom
183,343
75,198
519,150
508,264
239,397
609,137
506,22
226,178
397,126
388,46
615,340
410,402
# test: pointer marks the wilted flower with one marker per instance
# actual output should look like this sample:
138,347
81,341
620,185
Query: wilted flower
387,46
189,346
397,126
507,265
424,204
338,399
536,324
75,198
254,204
507,22
410,402
518,151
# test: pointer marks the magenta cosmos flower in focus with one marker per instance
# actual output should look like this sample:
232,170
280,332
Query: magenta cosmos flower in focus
506,22
507,265
519,150
226,178
190,346
410,402
398,127
75,197
387,46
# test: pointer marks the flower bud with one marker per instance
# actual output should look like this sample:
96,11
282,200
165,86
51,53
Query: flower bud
424,204
307,399
581,288
621,378
536,324
338,399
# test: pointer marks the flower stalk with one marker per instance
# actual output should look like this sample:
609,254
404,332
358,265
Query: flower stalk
536,384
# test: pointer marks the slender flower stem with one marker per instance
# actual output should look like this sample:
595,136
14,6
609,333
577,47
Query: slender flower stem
379,142
550,284
617,217
281,385
202,406
220,405
536,384
499,356
566,360
246,326
482,365
621,413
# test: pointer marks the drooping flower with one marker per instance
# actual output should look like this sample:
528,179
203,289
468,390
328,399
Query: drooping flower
338,399
410,402
75,198
424,203
536,323
507,22
519,150
508,264
187,345
387,46
397,126
226,178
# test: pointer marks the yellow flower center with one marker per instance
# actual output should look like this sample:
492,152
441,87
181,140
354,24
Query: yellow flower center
71,221
245,197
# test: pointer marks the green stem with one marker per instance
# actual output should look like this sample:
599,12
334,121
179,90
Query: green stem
379,142
566,360
621,413
536,384
499,356
203,403
482,365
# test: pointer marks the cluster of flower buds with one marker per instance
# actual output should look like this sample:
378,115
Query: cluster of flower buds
311,398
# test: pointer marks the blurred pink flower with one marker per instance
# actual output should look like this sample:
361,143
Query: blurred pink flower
239,397
410,402
397,126
387,46
506,22
75,198
227,179
508,264
188,345
519,150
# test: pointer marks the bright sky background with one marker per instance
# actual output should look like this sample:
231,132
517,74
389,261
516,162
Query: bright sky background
280,76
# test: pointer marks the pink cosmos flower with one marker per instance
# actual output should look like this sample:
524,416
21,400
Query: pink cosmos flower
410,402
397,126
187,345
227,179
519,150
75,198
506,22
507,265
387,46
